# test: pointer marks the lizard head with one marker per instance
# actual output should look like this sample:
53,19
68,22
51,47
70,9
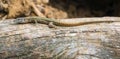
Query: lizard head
20,20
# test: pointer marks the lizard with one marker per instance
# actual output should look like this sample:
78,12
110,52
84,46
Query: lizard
65,22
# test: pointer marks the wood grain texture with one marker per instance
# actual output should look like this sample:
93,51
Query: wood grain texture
38,41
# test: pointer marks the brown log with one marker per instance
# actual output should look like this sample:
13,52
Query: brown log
38,41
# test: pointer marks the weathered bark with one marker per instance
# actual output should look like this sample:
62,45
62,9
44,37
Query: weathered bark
38,41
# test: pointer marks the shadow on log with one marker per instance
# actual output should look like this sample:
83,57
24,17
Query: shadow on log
37,41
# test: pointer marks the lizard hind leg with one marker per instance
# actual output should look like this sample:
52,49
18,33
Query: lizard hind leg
51,25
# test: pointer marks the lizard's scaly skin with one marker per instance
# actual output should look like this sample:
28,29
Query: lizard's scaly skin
66,22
